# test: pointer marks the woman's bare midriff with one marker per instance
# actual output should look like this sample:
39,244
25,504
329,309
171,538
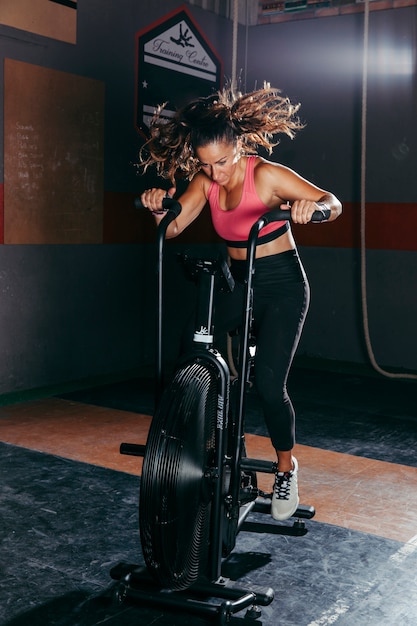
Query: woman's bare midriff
276,246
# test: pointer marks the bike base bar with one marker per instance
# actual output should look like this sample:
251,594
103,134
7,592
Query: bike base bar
138,586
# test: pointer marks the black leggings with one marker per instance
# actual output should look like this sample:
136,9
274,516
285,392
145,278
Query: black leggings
281,297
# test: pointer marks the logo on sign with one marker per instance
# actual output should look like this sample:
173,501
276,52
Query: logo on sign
179,50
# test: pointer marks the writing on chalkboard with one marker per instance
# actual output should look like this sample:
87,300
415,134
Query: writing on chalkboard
29,159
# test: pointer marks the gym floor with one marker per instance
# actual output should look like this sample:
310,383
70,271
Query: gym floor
69,507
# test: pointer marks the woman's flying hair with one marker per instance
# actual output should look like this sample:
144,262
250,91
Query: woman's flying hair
255,118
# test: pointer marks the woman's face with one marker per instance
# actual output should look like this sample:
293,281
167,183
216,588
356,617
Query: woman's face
218,160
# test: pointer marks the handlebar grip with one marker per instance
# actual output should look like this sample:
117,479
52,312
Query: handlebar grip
276,215
168,204
322,214
138,203
279,215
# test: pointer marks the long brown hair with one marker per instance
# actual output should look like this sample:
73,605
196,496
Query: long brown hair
255,118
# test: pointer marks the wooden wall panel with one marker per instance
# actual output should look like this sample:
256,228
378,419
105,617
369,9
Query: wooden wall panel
53,156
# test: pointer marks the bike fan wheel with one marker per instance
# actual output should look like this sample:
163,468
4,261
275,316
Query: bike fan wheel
176,483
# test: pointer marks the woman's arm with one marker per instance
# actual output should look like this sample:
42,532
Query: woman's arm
284,185
192,202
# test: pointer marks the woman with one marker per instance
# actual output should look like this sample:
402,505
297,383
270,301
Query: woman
214,141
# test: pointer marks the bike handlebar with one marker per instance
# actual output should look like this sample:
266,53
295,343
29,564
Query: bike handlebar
280,215
170,205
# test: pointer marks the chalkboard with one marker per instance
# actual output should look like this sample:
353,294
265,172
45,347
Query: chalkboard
53,156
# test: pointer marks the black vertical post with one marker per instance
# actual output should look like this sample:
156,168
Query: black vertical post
173,211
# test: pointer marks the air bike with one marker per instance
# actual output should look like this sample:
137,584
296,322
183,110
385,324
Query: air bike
198,485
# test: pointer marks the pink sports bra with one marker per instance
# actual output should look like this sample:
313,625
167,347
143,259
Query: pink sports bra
234,225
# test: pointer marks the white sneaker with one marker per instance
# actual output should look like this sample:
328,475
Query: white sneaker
285,498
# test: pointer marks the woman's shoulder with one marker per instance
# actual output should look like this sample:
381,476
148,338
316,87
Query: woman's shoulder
200,183
270,180
265,170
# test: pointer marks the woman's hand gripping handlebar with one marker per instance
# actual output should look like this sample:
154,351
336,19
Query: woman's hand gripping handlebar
170,210
322,214
155,199
168,205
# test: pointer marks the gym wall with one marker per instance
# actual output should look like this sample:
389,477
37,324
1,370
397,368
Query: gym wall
70,313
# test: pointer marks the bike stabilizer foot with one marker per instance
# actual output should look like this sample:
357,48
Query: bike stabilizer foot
219,600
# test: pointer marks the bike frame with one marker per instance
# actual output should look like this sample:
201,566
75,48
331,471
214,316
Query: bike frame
204,351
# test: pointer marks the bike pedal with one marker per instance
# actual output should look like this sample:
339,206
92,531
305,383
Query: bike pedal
248,494
264,494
